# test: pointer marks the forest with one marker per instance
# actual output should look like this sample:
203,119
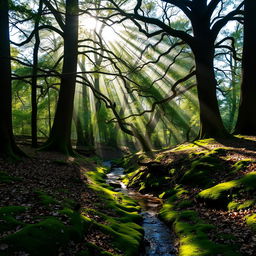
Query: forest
127,127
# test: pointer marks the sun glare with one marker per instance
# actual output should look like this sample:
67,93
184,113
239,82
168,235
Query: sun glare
91,24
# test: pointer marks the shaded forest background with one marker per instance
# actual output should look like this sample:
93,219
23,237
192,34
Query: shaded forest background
127,74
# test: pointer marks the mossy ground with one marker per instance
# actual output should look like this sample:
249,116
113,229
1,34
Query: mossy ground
62,208
209,191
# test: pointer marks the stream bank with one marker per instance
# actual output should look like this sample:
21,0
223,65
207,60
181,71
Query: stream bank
209,191
157,236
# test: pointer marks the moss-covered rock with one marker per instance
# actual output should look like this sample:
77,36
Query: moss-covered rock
43,238
221,194
202,170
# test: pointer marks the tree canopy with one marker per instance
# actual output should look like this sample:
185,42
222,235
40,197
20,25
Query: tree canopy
131,74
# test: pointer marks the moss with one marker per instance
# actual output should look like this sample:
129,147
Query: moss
201,246
132,178
246,204
219,191
251,221
125,238
192,232
195,144
222,193
47,236
233,205
239,206
45,199
43,238
68,203
160,157
190,229
249,181
99,175
12,210
8,217
125,233
186,146
202,170
5,178
183,204
241,165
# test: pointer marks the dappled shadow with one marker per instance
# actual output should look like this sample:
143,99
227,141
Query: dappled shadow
235,142
244,146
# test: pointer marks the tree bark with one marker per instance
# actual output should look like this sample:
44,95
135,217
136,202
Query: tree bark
60,134
34,78
211,124
8,148
246,122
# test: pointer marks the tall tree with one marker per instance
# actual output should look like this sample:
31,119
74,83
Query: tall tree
246,122
8,147
34,77
206,24
60,134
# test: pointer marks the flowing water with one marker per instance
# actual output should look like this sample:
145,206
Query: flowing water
158,239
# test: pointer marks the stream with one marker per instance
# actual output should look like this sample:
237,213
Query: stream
158,239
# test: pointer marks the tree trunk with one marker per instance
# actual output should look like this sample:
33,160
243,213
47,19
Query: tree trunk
80,141
8,148
34,78
60,134
211,124
246,122
234,97
144,144
49,110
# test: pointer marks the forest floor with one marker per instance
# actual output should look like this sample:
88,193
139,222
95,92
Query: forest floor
209,193
54,205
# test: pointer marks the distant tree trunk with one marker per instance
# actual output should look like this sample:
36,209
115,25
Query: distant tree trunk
60,134
34,78
80,141
211,124
234,97
8,148
246,122
143,142
49,109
